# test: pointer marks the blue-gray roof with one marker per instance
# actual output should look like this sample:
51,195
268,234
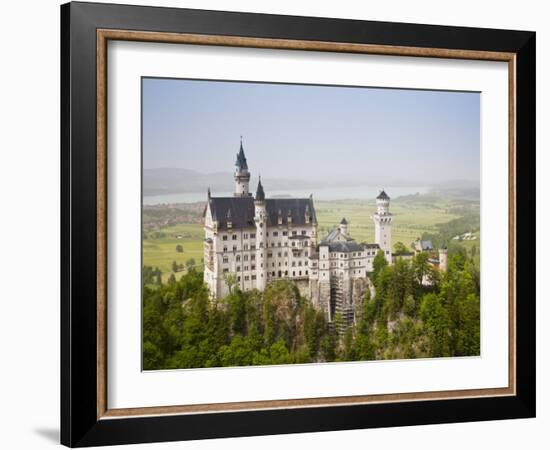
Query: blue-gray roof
260,194
345,247
383,195
241,159
241,211
426,245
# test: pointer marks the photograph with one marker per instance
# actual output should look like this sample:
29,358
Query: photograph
306,224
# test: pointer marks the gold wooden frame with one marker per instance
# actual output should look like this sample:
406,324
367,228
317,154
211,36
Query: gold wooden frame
104,35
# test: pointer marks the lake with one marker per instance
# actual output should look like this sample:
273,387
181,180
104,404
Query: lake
321,193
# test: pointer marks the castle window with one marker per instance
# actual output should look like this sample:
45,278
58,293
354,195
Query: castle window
293,244
275,233
238,278
253,267
272,264
245,236
245,257
306,254
294,233
293,263
279,264
286,273
300,273
306,272
286,254
293,273
252,257
246,268
266,233
252,247
238,258
246,278
225,270
270,255
305,263
299,263
273,244
238,268
285,233
252,235
225,259
234,248
303,232
234,237
224,249
224,237
253,277
245,247
279,254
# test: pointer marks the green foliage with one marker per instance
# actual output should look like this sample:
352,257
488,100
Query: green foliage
400,248
179,248
378,264
405,318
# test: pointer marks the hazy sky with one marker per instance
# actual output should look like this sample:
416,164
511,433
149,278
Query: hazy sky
312,132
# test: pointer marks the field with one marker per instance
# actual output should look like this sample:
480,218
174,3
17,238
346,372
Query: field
413,216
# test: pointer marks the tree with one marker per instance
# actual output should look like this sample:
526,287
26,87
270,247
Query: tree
378,263
174,266
230,281
436,324
400,248
190,264
179,248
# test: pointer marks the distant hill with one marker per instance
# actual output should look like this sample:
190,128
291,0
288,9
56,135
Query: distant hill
175,181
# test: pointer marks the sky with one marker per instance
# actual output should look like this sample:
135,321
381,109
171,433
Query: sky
312,132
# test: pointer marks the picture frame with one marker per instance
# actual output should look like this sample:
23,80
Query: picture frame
86,418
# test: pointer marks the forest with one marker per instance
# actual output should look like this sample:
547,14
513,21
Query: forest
404,319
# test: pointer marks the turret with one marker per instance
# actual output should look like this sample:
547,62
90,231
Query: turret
343,226
382,203
260,219
242,175
382,224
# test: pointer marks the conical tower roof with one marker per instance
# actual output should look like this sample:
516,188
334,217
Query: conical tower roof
241,159
260,194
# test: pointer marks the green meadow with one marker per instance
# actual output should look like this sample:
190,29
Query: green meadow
413,216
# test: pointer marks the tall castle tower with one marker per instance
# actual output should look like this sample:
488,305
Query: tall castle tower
260,219
242,175
382,224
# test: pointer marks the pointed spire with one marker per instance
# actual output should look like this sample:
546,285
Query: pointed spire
260,194
209,193
383,195
241,159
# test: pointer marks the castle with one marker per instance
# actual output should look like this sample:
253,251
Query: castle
259,240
